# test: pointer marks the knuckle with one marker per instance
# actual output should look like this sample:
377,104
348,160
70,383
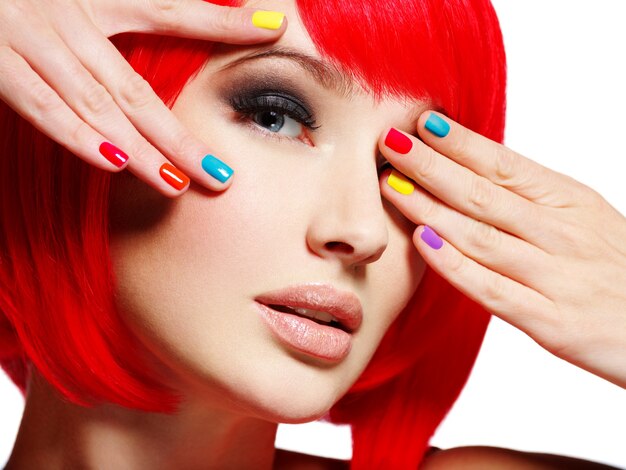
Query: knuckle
96,99
166,11
15,15
427,166
184,145
562,231
136,93
228,19
10,69
13,12
458,265
504,165
572,238
483,237
590,197
142,153
459,144
481,195
429,210
44,101
78,131
494,290
62,4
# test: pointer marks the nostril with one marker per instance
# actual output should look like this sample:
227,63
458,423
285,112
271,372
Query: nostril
341,247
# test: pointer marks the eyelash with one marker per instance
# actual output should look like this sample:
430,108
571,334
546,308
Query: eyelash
252,103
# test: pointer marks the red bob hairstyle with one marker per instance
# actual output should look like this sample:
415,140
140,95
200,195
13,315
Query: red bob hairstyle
57,286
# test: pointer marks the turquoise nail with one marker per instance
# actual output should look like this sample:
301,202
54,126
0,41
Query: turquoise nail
217,168
437,126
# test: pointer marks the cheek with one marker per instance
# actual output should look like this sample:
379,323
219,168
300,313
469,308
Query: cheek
399,271
187,272
203,244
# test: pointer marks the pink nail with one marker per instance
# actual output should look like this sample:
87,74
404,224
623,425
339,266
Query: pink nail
113,154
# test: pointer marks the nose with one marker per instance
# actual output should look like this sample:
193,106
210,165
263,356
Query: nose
349,222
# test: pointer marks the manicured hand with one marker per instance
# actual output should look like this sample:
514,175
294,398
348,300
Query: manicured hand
60,72
536,248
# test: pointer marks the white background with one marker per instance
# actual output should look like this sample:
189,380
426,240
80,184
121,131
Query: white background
566,98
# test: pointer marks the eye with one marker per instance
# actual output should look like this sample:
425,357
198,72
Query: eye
275,121
279,113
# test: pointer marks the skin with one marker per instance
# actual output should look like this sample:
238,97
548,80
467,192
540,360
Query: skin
301,209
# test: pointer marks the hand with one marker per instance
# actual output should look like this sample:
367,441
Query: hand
59,71
536,248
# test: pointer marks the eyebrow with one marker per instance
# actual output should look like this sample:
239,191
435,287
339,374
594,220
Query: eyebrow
323,71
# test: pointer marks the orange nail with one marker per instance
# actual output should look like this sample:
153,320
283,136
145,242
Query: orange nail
173,176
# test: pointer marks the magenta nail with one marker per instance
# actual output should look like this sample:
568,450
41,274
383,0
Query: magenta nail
431,238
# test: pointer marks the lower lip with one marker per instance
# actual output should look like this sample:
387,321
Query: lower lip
304,335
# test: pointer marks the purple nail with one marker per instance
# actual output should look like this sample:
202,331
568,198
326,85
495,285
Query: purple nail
431,238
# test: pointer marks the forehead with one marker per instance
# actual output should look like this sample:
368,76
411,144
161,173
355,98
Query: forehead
297,40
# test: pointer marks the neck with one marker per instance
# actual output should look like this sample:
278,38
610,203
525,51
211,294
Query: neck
57,434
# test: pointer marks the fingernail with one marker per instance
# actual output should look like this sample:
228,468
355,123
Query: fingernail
216,168
431,238
398,142
113,154
437,126
400,183
174,177
268,19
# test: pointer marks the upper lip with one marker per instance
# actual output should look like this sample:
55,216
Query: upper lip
343,305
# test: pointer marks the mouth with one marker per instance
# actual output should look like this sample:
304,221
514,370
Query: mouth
321,303
311,336
323,318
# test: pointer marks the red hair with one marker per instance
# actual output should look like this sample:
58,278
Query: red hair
57,287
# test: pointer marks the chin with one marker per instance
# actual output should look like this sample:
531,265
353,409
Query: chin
275,385
297,413
290,399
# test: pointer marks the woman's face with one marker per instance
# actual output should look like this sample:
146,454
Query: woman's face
304,207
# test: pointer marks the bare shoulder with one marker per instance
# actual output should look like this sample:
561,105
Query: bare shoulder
497,458
288,460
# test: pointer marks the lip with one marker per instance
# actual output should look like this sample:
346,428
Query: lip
305,335
343,305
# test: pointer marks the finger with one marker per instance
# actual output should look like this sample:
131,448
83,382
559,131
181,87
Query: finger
511,301
498,163
60,68
195,19
32,98
461,188
490,247
145,110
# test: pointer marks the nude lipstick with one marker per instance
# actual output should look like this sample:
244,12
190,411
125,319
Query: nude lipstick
315,319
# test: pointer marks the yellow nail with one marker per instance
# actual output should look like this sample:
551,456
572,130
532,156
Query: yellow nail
400,183
268,19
